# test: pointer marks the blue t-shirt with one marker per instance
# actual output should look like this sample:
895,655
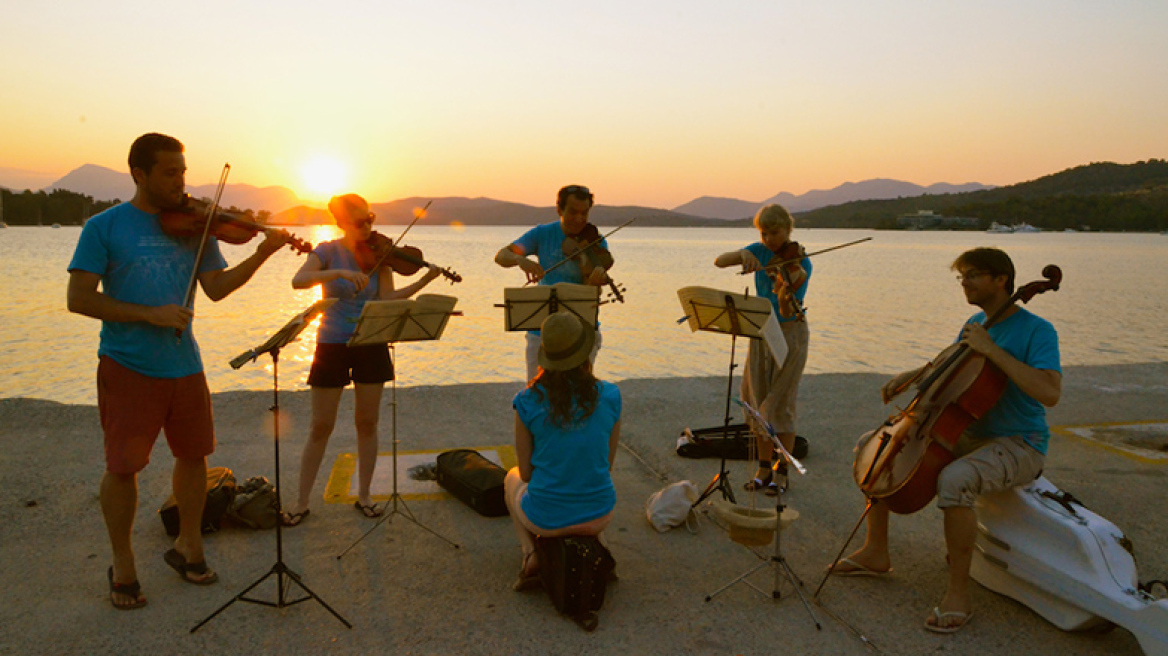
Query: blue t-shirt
338,323
570,478
546,241
139,263
765,287
1031,340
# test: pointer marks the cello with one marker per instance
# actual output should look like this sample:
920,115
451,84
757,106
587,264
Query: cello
899,462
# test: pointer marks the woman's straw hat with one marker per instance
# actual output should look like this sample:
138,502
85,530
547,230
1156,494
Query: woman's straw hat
565,342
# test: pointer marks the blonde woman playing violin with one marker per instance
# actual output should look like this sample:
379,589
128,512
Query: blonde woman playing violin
769,386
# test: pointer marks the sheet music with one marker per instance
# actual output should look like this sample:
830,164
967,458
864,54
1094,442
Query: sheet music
527,307
705,309
286,334
403,320
772,333
754,414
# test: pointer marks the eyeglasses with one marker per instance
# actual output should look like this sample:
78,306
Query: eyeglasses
368,220
971,275
576,190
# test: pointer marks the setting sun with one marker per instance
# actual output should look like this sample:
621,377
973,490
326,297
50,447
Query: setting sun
323,176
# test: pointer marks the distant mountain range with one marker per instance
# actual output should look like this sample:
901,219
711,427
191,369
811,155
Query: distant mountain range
876,189
287,209
107,184
485,211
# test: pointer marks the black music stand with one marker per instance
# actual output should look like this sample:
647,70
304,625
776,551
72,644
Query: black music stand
280,570
527,307
388,322
716,311
777,561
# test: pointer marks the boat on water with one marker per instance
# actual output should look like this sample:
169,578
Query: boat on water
1026,227
996,227
56,225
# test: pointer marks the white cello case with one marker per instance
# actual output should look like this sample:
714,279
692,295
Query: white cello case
1066,563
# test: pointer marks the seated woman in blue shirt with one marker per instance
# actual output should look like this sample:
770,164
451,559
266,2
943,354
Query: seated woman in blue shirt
567,427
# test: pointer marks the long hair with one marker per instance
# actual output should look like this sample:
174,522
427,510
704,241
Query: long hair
572,394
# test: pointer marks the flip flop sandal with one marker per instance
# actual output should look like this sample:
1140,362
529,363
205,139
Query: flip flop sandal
179,563
293,519
126,589
369,511
764,484
856,569
938,616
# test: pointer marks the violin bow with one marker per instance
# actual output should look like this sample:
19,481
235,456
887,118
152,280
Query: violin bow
189,298
776,265
417,215
586,247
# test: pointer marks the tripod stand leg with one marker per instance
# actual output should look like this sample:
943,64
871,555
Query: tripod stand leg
741,578
395,498
312,595
720,482
797,584
237,598
839,556
279,568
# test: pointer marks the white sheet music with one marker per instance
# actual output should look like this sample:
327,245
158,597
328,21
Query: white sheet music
772,333
403,320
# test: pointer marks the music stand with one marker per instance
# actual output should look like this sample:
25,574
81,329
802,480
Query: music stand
777,561
527,307
717,311
423,318
280,570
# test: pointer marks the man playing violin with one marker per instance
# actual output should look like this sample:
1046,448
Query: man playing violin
149,379
344,268
1005,448
767,385
547,243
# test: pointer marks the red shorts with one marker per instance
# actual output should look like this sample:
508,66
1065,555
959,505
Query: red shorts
134,408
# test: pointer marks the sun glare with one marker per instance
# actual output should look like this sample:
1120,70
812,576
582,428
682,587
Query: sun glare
323,176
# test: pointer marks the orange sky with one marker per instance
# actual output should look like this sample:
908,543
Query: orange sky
653,104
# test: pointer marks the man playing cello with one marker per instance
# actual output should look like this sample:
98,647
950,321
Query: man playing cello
1005,448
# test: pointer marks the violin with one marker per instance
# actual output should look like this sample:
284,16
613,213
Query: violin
585,250
789,267
899,462
190,220
379,250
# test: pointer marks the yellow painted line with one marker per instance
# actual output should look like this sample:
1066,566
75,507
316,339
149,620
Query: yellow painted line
1085,433
341,477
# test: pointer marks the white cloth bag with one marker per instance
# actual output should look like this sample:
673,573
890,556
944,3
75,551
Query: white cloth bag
672,506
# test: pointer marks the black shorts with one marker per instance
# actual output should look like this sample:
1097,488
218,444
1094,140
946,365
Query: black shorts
335,365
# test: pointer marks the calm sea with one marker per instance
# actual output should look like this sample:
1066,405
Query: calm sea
882,306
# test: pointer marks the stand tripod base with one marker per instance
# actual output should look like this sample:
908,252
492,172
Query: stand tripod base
284,580
387,515
781,569
720,483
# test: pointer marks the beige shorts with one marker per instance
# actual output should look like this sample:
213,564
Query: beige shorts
985,466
